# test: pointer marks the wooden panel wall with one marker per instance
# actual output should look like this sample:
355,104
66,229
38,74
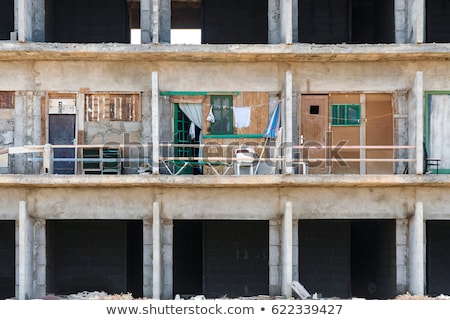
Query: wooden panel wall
349,134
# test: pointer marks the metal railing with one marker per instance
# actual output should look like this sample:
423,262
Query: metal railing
219,159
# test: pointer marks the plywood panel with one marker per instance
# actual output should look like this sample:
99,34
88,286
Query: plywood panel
349,136
379,131
313,126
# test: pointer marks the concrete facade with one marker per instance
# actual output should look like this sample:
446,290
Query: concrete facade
403,206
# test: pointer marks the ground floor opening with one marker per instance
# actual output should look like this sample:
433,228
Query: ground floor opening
95,255
7,259
348,258
438,257
218,258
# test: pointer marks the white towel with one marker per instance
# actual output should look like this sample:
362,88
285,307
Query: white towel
242,116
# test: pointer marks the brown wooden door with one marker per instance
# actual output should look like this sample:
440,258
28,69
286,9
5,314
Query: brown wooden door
313,129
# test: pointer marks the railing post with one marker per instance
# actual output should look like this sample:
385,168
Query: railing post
47,159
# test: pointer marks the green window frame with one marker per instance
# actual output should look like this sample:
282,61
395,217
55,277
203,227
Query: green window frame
345,114
222,108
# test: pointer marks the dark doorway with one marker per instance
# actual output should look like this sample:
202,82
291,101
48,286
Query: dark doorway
62,132
94,255
438,257
232,256
373,259
348,258
6,19
234,21
187,257
7,258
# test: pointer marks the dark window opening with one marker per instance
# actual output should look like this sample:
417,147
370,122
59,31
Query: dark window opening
221,258
234,21
345,21
89,21
348,258
6,19
438,257
7,258
313,109
222,109
95,255
437,21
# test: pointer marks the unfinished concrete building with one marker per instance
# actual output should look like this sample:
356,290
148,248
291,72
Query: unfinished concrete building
300,140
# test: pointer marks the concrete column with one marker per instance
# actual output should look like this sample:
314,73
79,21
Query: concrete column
165,20
25,20
155,123
167,259
156,251
416,21
155,21
401,226
295,258
286,21
38,26
416,251
400,16
288,124
40,259
418,98
274,22
25,253
147,253
47,156
146,21
274,257
294,21
286,251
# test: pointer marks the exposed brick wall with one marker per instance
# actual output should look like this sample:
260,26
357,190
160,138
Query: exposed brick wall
7,258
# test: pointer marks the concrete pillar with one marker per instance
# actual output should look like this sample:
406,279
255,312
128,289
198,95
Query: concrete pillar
165,20
47,156
286,251
38,26
25,20
273,16
418,98
416,251
155,123
288,124
286,21
147,253
416,21
146,21
156,251
274,257
400,18
167,259
40,259
25,253
295,248
155,21
401,231
294,21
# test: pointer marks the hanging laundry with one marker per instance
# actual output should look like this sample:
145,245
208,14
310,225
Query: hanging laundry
242,116
192,130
